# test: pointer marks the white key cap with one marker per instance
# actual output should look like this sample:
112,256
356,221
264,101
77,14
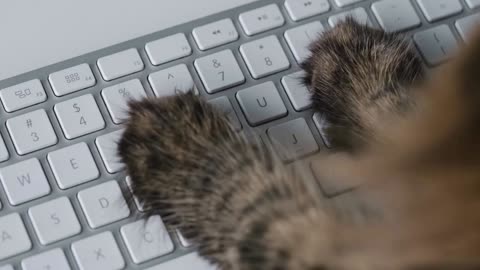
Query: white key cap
13,236
54,220
302,9
98,252
146,239
116,98
215,34
22,95
51,260
264,57
466,25
103,204
72,79
300,38
297,91
171,81
293,139
359,14
31,132
4,155
436,44
7,267
73,165
168,49
342,3
219,71
107,147
183,241
261,103
187,262
79,116
396,15
473,3
261,19
24,181
438,9
224,104
120,64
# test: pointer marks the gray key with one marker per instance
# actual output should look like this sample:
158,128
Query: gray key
261,103
73,165
436,44
3,150
358,14
23,95
14,238
439,9
51,260
54,220
466,25
219,71
117,97
171,81
264,57
146,239
79,116
300,38
223,103
107,147
24,181
103,204
293,139
98,252
31,132
396,15
299,10
342,3
297,91
473,3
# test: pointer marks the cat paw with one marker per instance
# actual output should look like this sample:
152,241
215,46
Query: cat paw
357,75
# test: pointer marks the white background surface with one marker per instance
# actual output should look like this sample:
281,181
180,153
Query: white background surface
36,33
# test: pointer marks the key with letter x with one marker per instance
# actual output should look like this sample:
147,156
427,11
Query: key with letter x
98,252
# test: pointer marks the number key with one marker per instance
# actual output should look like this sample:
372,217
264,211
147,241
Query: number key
116,98
79,116
264,57
23,95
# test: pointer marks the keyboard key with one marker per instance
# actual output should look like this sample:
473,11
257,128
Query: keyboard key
137,202
322,125
302,9
7,267
261,103
22,95
168,49
24,181
224,104
215,34
328,178
79,116
293,139
396,15
359,14
436,44
300,38
297,92
51,260
116,98
439,9
72,79
342,3
219,71
473,3
31,132
54,220
3,150
73,165
107,147
264,57
120,64
183,241
466,25
14,238
187,262
146,239
261,19
103,204
171,81
98,252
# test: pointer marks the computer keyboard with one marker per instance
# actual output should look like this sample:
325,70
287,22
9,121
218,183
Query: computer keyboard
63,191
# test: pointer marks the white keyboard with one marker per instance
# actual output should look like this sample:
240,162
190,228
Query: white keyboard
63,191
